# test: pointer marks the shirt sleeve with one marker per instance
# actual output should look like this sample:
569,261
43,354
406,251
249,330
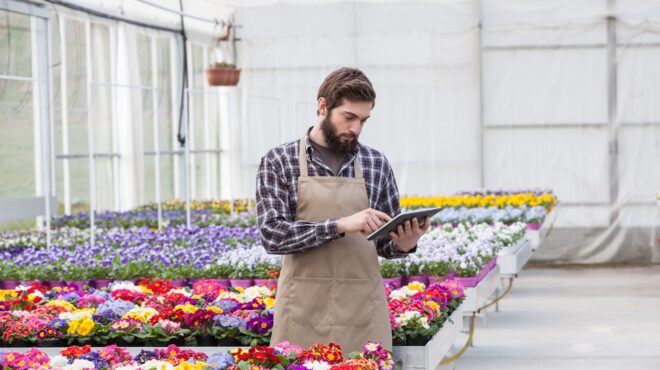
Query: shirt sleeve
388,202
280,232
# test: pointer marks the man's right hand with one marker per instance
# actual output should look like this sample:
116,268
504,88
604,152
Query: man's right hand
365,222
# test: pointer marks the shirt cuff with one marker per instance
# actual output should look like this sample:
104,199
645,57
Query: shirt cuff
327,230
400,252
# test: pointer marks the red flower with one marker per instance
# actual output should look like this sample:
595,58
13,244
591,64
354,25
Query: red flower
75,351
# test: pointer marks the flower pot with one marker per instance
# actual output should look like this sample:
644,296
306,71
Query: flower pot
534,226
56,283
29,282
77,284
467,282
102,283
398,342
437,279
224,283
227,342
20,344
418,341
265,282
241,283
223,76
178,283
51,343
206,341
10,284
393,283
418,278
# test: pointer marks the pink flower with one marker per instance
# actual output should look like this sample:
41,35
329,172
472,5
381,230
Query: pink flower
287,348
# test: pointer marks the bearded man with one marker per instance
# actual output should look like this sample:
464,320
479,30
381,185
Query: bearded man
317,199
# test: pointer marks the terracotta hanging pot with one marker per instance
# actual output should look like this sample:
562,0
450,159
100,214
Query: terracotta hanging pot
223,75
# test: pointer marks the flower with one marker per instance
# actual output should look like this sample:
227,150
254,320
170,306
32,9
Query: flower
287,348
317,365
220,361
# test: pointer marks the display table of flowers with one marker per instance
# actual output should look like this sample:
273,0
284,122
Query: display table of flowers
207,318
281,356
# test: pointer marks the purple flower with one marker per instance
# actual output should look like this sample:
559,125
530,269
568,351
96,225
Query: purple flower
260,325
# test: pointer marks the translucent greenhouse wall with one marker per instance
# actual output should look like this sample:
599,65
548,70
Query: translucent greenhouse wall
471,94
482,94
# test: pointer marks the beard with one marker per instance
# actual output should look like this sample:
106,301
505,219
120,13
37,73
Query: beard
334,140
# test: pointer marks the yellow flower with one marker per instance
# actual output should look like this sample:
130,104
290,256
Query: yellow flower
433,305
73,326
270,302
145,290
187,308
85,327
69,307
8,294
416,285
215,309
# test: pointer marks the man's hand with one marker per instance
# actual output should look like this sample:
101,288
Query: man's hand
365,222
409,233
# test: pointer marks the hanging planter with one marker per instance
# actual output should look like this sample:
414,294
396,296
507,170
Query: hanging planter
223,74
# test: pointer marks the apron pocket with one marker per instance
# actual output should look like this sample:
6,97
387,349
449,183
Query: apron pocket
353,302
310,302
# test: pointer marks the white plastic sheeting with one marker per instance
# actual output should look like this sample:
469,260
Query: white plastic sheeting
481,94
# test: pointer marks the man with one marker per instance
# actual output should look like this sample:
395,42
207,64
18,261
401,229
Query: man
317,199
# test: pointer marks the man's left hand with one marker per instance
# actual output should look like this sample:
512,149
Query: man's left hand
409,233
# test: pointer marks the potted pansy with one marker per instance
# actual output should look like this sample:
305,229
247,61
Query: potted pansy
265,273
239,277
392,272
415,273
437,271
219,272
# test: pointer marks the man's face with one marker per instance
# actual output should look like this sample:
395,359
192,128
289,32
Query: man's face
342,126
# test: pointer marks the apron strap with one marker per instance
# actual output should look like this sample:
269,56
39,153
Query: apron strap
357,167
302,161
302,158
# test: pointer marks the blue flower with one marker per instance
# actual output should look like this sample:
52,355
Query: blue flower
58,323
220,361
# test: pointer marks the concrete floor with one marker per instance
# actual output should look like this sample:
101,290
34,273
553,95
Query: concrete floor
577,318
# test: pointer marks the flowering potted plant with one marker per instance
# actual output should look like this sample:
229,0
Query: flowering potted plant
415,273
437,271
240,277
391,272
265,273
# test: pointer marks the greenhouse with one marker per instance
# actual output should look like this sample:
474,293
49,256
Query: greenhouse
325,184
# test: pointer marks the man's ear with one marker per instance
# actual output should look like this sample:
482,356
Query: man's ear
321,107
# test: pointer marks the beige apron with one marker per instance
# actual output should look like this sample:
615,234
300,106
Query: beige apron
332,293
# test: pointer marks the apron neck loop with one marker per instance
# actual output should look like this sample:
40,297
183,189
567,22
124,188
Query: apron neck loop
357,167
302,158
302,161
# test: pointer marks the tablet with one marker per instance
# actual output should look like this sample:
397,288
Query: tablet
392,224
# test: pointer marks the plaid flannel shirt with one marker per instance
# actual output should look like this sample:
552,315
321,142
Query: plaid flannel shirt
277,197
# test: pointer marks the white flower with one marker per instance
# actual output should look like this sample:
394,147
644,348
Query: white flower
80,365
182,291
317,365
58,362
157,365
124,285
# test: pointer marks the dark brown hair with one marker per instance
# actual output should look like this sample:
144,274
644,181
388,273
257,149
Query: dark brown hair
349,83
